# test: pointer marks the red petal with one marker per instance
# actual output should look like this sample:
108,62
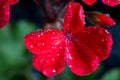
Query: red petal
80,61
41,42
111,3
97,39
87,48
73,18
89,2
13,1
50,63
4,13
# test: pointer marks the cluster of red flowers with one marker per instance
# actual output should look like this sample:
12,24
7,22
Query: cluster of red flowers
5,8
111,3
82,48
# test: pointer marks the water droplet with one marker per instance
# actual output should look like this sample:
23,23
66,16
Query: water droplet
106,31
41,34
70,6
40,44
53,59
58,54
31,46
38,35
83,16
70,66
43,44
53,70
101,31
67,50
58,42
37,29
84,22
107,14
102,40
70,56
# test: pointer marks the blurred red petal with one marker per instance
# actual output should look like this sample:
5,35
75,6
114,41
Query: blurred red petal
89,2
87,48
50,63
44,41
13,1
111,3
73,18
4,13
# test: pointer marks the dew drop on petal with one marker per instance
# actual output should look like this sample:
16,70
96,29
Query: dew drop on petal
108,1
106,31
41,34
70,56
38,35
53,59
58,54
107,14
53,70
43,44
31,46
70,66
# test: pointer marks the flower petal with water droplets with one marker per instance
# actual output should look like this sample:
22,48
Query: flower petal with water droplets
87,48
73,18
79,60
50,63
47,41
97,41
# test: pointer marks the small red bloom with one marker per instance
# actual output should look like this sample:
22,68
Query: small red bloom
111,3
5,11
100,19
82,48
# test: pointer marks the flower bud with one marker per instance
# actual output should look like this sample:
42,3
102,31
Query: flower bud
100,19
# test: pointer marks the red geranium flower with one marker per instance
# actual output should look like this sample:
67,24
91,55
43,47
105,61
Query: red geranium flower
81,48
5,11
111,3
